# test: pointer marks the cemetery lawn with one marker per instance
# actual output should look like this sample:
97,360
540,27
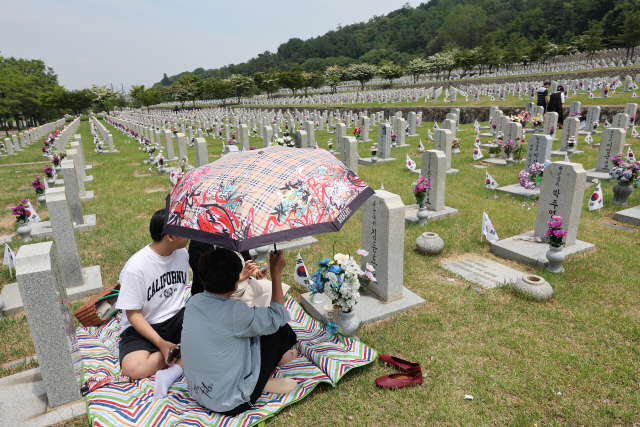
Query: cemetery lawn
574,360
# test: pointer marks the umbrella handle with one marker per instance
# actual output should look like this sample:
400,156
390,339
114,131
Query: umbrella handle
275,250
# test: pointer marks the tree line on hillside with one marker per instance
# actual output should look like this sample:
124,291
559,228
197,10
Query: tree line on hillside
484,33
30,93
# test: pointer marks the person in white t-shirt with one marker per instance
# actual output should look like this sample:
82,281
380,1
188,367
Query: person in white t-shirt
152,288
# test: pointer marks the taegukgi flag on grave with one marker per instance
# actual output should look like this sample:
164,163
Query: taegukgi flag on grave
411,165
476,143
588,139
421,147
9,258
487,229
34,217
477,154
596,202
630,156
490,182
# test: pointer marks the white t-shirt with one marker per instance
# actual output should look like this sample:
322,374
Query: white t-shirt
154,284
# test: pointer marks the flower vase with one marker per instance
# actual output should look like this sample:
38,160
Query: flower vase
24,230
51,181
571,150
348,322
161,169
430,243
374,157
509,160
58,168
534,286
42,199
423,215
151,158
621,192
555,256
455,150
492,155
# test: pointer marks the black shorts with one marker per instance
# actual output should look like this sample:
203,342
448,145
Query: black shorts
169,330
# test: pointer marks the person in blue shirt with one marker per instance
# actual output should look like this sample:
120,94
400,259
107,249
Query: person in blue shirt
229,349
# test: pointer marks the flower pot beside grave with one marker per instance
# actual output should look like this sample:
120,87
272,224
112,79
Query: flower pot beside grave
509,160
58,169
534,286
492,155
24,231
455,150
374,156
555,256
430,243
423,215
42,199
348,322
51,181
621,192
571,149
161,169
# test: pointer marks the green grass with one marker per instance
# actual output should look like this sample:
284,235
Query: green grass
513,355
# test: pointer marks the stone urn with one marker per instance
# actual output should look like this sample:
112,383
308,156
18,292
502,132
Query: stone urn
492,155
555,256
571,149
455,150
58,168
423,215
374,156
621,192
42,199
151,158
430,243
161,169
348,322
24,231
534,286
509,160
51,180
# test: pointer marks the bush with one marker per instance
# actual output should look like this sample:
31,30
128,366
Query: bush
84,118
519,152
70,119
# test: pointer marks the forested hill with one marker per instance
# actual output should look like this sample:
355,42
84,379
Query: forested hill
433,26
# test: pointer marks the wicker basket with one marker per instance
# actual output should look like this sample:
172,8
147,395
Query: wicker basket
87,315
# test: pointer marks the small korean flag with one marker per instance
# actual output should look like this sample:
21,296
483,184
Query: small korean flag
477,154
634,132
9,258
595,202
411,165
634,95
301,275
493,98
435,126
566,158
316,146
430,134
607,124
421,147
588,139
476,125
46,185
487,229
34,215
634,87
630,156
591,95
490,182
476,143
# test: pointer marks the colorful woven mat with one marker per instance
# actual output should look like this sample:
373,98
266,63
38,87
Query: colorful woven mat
132,404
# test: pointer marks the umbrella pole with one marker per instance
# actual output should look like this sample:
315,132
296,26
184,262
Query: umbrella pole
275,250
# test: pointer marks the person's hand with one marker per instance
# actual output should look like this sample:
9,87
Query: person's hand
249,270
277,263
261,274
164,347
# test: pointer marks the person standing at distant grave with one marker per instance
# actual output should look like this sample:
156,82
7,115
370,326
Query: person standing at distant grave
152,299
543,95
555,104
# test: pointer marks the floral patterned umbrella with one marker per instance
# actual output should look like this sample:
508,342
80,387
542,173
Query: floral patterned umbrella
260,197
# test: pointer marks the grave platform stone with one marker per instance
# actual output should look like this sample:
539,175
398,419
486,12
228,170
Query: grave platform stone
518,190
43,228
411,213
367,160
630,216
484,272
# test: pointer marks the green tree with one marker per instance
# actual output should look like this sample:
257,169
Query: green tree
417,67
488,53
291,80
79,101
165,80
267,82
219,89
333,76
146,97
241,85
629,36
515,48
187,88
592,38
103,97
362,73
120,102
312,80
464,26
390,72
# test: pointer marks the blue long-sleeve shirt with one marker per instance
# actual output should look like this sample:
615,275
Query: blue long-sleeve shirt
221,348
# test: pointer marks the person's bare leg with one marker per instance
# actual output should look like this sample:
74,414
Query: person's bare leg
288,357
142,364
280,385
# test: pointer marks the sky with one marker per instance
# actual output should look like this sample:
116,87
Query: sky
134,42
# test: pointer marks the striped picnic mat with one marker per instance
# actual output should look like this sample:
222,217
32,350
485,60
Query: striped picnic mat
320,360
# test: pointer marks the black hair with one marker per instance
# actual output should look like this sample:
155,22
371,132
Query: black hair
547,83
560,88
219,270
156,226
